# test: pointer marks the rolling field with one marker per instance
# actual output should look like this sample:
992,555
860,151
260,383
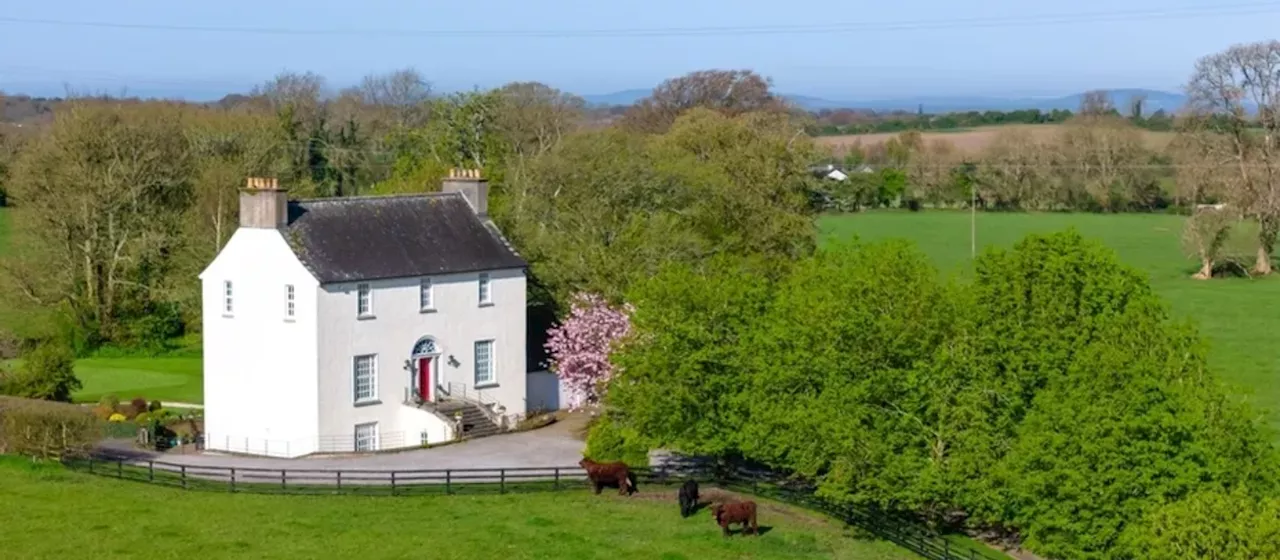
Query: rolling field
1239,317
54,513
971,140
163,379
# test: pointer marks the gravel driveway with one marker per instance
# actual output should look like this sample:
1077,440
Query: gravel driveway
556,445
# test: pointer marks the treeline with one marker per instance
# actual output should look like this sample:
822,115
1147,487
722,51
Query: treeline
118,204
844,121
1092,163
1050,402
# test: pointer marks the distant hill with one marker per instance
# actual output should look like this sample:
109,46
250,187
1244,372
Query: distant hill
1156,100
627,97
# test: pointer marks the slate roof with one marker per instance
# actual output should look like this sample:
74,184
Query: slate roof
377,237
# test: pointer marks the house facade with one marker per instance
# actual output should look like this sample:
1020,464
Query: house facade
362,324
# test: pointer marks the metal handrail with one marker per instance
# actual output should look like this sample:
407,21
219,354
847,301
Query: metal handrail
487,405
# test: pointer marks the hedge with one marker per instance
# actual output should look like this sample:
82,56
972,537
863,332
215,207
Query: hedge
46,429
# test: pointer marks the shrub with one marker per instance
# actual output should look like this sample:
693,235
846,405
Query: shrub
607,440
137,406
1215,524
142,419
117,417
46,430
47,373
155,405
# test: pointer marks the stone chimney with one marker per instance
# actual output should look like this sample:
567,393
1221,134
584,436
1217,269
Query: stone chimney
263,204
472,186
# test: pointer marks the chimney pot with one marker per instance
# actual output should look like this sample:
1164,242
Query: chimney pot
263,204
472,186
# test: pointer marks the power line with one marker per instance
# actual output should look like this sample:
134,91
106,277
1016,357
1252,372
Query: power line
1252,8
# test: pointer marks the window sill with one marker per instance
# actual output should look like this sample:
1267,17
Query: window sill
427,310
290,320
366,317
486,304
228,316
493,385
373,402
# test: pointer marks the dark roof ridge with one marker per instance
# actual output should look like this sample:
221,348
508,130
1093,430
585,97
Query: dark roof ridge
363,197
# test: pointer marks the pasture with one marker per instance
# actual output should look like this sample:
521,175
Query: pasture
1238,317
971,141
121,519
163,379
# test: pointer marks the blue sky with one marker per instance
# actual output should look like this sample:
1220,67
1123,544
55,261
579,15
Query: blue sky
906,47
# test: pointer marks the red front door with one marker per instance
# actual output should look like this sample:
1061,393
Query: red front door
424,378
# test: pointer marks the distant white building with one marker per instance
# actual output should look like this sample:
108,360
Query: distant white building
363,323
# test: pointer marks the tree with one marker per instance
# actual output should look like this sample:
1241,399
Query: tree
1107,409
103,193
1228,93
581,344
1102,154
1205,234
1222,525
711,185
1096,103
681,373
46,373
534,117
730,92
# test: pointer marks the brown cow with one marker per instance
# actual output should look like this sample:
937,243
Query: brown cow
742,512
608,474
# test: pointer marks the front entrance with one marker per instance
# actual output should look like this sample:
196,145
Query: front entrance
425,383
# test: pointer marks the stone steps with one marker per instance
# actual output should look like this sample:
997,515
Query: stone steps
475,423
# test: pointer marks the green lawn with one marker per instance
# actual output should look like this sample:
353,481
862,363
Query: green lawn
1240,317
163,379
54,513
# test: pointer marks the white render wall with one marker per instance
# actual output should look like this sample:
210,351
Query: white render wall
456,323
260,368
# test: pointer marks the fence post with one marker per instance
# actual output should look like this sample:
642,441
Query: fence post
232,481
393,483
557,483
502,481
448,481
339,482
184,477
119,468
946,548
284,478
91,463
151,471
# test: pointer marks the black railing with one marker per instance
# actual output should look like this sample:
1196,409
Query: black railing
905,533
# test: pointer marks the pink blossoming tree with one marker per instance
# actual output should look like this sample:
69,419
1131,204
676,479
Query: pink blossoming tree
581,344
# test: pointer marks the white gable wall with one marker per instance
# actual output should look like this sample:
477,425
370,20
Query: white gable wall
457,322
260,368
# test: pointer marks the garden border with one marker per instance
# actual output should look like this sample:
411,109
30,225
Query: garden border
365,482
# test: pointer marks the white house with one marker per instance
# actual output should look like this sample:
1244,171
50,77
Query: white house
362,323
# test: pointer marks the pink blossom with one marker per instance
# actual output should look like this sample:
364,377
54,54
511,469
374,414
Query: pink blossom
581,344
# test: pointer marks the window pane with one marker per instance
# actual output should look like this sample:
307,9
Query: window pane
366,378
424,294
226,296
484,288
484,362
366,437
289,307
364,299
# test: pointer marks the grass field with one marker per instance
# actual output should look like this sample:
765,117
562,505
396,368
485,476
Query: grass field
164,379
1240,317
53,513
972,140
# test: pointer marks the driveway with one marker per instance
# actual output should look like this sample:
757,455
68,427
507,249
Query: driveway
556,445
